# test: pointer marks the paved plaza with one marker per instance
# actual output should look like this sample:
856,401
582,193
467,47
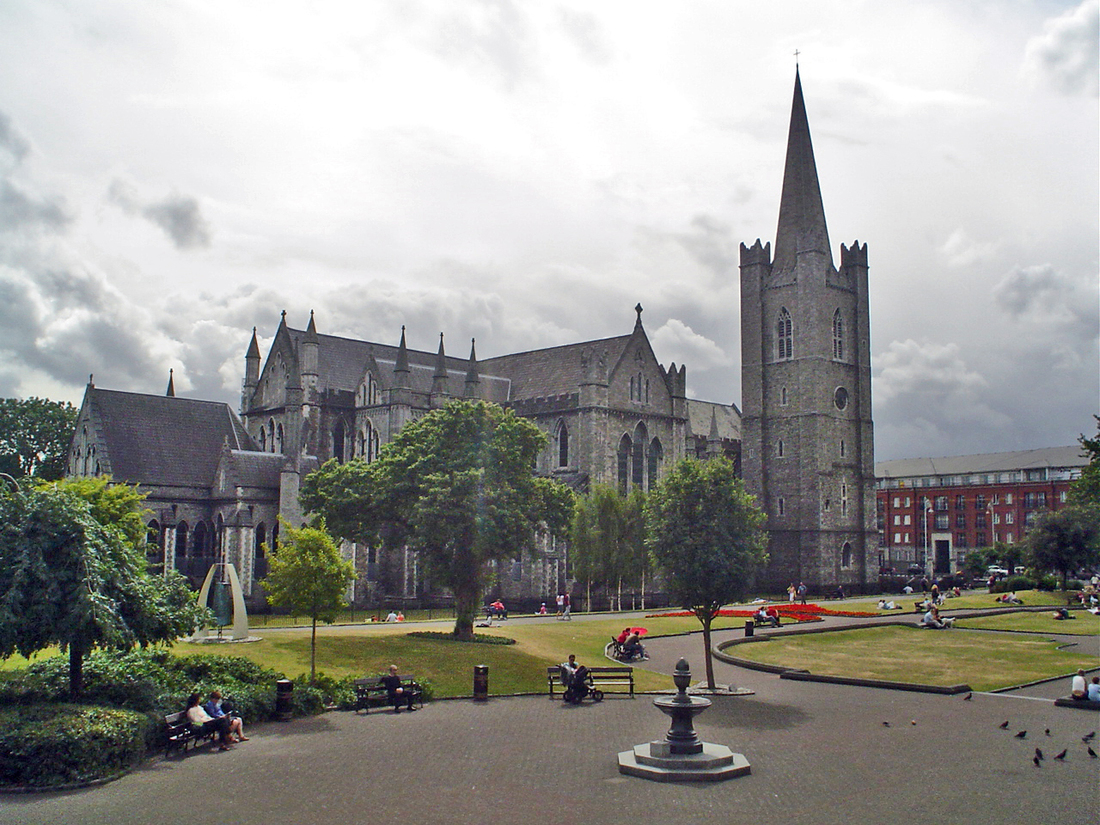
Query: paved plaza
820,753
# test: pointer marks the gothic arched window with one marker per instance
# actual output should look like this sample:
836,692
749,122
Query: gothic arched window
338,442
838,337
181,539
563,445
846,555
653,469
784,336
637,456
625,449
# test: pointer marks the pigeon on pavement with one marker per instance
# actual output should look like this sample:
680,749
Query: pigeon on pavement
1022,734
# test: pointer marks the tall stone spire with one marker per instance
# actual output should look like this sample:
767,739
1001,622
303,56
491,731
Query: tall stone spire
801,239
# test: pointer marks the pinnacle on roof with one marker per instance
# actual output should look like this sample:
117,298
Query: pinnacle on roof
402,365
638,309
171,392
311,330
801,214
253,347
472,376
440,360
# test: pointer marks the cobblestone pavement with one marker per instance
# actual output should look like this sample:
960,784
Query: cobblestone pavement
820,754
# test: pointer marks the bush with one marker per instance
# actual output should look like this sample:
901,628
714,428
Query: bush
1014,583
158,683
478,639
46,745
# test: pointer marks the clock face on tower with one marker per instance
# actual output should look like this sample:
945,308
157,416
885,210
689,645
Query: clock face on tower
840,398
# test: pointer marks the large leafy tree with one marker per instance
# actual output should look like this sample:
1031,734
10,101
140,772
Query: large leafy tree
456,486
1065,540
707,536
307,574
34,437
1086,489
73,573
607,540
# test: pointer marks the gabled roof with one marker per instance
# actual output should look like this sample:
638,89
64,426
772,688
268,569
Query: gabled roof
726,418
552,371
163,440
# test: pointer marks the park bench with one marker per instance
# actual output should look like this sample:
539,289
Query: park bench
369,692
181,733
603,676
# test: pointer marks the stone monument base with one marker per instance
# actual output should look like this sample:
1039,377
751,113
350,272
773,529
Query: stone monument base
654,760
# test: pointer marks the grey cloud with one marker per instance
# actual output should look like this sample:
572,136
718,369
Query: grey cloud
11,140
72,332
20,211
1065,55
711,243
181,219
488,34
1053,300
178,216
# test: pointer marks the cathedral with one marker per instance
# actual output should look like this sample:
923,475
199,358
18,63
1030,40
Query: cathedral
218,480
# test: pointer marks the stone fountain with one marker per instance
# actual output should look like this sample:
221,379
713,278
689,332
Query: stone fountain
681,756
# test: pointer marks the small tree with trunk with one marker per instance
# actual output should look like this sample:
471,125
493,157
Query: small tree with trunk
707,536
73,573
307,574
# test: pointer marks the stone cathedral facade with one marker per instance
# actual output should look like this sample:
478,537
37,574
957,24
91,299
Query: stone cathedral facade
807,437
218,480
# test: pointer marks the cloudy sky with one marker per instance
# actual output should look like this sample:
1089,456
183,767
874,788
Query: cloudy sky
174,173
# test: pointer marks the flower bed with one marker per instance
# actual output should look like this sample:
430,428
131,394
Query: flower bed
794,612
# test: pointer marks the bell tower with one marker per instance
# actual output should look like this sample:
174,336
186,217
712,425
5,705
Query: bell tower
807,448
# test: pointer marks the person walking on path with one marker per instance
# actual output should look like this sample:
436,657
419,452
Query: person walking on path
565,606
560,606
802,592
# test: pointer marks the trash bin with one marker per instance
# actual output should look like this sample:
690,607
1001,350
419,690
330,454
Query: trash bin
481,683
284,692
749,628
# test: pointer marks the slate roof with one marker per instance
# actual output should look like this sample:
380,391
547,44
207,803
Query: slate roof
253,469
554,371
1051,457
162,440
726,416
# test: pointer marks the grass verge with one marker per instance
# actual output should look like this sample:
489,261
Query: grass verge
907,654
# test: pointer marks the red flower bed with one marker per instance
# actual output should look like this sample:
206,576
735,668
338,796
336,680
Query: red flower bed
797,612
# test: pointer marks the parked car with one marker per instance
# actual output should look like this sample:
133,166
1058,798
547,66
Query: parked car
994,570
915,570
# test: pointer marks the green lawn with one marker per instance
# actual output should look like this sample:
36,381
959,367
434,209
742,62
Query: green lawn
928,657
1083,623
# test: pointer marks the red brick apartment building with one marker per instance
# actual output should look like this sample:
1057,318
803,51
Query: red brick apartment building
931,511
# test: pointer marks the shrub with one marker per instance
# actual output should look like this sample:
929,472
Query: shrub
1014,583
46,745
478,638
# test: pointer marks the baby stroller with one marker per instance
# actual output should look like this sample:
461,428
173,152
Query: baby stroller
578,685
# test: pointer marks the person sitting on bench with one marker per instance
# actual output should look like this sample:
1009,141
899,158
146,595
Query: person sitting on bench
204,724
397,693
